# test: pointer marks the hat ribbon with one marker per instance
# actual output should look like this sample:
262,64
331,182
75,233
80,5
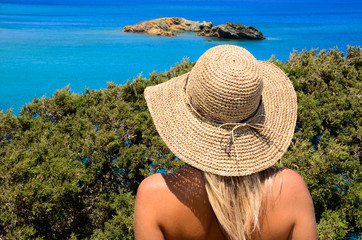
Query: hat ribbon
244,123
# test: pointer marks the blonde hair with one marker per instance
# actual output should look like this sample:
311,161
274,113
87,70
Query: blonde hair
237,202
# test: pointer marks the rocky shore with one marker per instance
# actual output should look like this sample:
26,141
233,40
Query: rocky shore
167,26
233,31
170,26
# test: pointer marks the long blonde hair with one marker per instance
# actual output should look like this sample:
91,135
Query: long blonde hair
237,202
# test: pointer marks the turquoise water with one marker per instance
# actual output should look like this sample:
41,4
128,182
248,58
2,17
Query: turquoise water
47,45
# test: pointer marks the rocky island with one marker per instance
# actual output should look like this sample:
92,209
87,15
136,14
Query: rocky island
167,26
170,26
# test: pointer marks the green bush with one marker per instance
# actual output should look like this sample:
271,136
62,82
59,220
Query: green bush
70,165
326,147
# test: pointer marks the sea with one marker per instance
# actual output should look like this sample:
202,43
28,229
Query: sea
46,45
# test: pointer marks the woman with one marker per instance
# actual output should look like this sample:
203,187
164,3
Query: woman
230,119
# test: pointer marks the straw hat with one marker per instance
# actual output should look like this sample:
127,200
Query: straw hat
231,115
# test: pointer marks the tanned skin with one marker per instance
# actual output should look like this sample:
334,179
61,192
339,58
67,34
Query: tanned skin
175,206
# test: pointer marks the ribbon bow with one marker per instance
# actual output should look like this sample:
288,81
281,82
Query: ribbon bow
244,123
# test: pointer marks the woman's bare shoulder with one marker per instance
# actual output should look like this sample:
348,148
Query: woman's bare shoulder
290,175
148,208
293,202
162,198
174,182
152,190
171,187
292,183
289,189
152,183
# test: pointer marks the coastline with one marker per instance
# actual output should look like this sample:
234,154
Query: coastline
47,47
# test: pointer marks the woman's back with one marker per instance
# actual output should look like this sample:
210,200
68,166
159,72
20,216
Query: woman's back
231,117
176,206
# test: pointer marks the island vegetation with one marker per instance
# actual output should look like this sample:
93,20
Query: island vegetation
70,164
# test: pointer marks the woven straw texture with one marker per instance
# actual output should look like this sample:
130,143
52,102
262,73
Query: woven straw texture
231,115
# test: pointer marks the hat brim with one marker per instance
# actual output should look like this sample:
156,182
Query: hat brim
202,143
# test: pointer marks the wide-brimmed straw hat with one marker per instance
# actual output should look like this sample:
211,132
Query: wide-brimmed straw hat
231,115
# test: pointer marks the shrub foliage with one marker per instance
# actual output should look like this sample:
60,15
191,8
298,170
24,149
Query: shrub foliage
70,165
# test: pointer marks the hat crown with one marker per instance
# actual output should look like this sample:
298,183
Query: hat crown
225,84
